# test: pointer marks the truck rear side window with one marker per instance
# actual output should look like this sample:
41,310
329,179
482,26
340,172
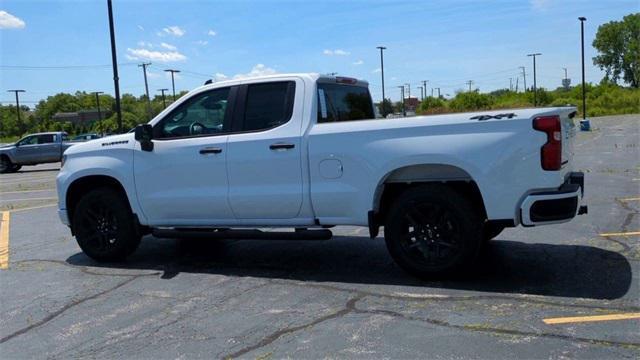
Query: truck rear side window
343,103
268,105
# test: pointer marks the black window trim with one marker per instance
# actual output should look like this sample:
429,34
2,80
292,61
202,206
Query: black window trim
240,107
228,115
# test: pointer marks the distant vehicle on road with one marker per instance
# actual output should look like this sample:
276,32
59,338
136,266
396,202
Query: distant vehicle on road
305,151
85,137
33,149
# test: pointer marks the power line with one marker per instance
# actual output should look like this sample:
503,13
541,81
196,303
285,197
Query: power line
61,67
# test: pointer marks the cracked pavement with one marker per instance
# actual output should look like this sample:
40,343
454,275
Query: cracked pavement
342,298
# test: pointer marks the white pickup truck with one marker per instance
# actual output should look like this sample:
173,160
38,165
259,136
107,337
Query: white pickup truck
305,151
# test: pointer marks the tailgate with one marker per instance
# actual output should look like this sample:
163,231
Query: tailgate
569,131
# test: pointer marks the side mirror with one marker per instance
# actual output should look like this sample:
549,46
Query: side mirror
144,134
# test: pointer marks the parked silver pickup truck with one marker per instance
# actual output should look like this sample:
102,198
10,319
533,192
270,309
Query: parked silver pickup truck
32,150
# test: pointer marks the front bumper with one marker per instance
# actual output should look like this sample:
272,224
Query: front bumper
557,206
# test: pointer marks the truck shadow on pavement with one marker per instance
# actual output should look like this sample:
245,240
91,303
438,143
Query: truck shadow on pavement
506,266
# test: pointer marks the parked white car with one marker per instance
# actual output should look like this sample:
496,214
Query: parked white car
304,151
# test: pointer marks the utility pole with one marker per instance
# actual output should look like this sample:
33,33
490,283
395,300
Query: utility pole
534,77
517,78
17,101
97,94
382,48
432,92
438,93
422,91
470,82
173,83
408,90
510,84
164,103
424,85
404,112
524,78
114,61
146,86
565,73
584,89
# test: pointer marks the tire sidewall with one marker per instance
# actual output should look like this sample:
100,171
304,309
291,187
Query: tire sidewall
464,216
127,239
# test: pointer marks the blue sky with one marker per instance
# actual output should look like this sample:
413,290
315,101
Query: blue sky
445,42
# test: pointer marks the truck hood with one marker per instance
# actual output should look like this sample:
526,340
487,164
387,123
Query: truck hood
122,141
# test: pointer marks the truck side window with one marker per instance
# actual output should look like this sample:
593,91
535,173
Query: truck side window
203,114
31,140
338,102
46,139
268,105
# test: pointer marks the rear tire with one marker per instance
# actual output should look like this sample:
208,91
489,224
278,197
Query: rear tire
432,231
491,231
104,225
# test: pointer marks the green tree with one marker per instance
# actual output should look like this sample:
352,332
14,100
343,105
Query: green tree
618,45
385,107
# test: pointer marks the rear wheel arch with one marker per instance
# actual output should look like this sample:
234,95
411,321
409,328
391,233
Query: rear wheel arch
396,182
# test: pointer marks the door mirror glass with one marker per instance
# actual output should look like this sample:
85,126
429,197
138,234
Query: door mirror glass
144,135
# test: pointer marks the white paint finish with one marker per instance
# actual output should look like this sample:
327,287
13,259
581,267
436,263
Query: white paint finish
177,186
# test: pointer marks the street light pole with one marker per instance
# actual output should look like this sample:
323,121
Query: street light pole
382,48
17,101
534,78
438,93
146,87
173,83
584,92
421,92
164,103
114,61
404,112
97,94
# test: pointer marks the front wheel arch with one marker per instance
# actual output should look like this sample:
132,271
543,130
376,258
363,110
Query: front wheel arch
81,186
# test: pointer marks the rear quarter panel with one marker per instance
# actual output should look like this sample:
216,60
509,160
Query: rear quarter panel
501,156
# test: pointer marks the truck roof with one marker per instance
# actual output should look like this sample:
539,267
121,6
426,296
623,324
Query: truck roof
310,76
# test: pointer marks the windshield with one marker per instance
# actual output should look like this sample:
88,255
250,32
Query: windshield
338,102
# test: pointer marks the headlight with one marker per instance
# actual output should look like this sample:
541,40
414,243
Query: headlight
64,159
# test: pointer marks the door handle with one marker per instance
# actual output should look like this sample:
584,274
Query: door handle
278,146
210,150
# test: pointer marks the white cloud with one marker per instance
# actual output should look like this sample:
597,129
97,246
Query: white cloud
168,46
338,52
359,62
220,77
160,56
145,44
174,31
376,70
539,4
202,42
212,33
8,21
258,70
140,27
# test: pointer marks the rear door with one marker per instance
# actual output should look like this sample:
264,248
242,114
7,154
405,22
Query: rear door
49,150
264,160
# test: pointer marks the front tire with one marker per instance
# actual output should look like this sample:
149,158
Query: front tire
432,231
6,166
104,225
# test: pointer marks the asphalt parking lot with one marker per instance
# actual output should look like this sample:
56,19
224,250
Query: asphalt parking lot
561,291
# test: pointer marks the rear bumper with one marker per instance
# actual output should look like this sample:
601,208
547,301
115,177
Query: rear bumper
557,206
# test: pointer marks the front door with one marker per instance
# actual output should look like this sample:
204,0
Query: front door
27,150
183,180
264,158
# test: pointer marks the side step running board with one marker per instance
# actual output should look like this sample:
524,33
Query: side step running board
303,234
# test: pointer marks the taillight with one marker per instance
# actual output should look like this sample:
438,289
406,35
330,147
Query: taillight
551,151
